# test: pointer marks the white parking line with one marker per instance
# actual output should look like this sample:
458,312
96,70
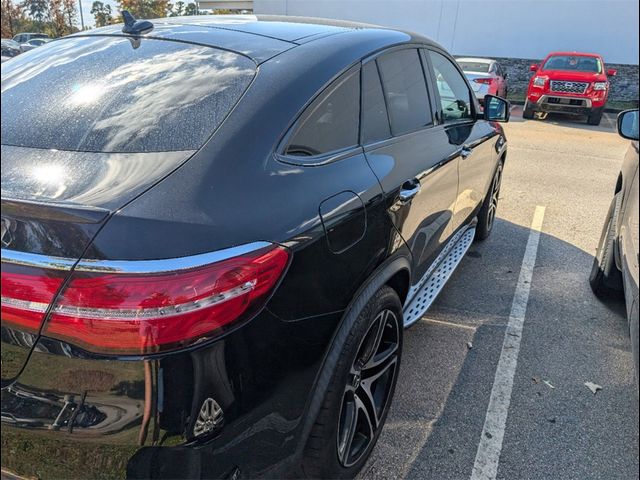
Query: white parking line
450,324
490,446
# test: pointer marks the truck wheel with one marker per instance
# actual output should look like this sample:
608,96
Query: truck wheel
606,278
595,117
527,111
487,214
357,401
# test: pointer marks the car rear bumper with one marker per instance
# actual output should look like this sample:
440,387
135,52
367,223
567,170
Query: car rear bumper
71,414
480,92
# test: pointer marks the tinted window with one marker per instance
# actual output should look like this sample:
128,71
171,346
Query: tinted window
375,122
480,67
453,89
331,122
406,90
100,94
575,63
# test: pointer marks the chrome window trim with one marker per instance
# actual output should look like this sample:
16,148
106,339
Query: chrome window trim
128,266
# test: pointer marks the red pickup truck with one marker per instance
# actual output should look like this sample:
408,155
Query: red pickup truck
569,82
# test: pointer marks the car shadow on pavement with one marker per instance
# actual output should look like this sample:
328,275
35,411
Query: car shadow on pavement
558,429
608,123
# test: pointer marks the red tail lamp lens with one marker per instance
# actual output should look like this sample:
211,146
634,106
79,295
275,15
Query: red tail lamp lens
145,313
485,81
27,292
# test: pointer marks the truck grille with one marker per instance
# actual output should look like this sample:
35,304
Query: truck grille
568,87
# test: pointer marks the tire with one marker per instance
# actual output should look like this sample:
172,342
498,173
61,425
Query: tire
595,117
333,450
605,278
487,214
527,111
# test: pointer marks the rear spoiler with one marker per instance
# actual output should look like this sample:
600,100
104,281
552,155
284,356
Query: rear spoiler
61,212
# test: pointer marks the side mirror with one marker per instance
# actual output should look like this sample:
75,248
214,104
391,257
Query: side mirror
496,109
612,72
628,124
533,68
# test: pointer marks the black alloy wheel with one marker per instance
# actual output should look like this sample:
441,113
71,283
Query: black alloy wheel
487,214
495,197
367,393
360,391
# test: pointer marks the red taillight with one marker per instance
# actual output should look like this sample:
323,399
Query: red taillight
484,81
27,292
140,313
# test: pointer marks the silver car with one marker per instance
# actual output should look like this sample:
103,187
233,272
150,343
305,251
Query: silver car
486,76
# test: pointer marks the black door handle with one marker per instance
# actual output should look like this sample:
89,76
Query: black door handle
465,152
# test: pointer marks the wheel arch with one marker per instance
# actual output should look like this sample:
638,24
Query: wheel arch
394,272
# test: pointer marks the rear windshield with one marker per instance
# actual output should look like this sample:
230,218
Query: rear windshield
479,67
106,94
576,63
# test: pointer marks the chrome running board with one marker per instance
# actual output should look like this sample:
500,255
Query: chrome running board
422,295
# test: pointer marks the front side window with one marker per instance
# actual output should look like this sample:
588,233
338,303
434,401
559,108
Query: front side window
331,122
405,89
101,94
455,96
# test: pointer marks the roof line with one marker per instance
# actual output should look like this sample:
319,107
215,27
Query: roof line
216,27
166,39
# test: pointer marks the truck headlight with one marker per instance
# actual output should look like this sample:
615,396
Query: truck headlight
600,85
539,81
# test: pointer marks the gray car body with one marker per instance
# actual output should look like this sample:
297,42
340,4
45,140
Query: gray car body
627,251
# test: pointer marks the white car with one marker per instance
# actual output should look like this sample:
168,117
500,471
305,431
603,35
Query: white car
486,76
33,43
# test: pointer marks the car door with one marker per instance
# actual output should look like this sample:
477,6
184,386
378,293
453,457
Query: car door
409,155
470,138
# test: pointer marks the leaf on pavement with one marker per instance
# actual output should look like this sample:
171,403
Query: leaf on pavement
594,387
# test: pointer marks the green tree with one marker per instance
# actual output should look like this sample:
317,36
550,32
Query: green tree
11,17
145,8
191,9
70,12
101,13
37,9
177,10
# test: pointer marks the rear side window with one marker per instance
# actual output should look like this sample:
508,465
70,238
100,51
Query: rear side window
375,122
454,93
331,122
100,94
406,90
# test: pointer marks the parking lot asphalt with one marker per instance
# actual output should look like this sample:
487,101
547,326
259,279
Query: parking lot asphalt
555,426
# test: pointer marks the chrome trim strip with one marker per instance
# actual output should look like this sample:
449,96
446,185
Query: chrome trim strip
36,260
128,266
38,307
158,312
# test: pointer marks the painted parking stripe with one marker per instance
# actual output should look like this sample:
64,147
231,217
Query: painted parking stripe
488,455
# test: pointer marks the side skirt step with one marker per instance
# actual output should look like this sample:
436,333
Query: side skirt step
423,294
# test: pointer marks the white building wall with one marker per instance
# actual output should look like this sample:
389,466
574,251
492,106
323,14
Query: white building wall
498,28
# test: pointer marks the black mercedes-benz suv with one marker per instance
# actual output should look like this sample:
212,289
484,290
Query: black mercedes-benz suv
214,231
